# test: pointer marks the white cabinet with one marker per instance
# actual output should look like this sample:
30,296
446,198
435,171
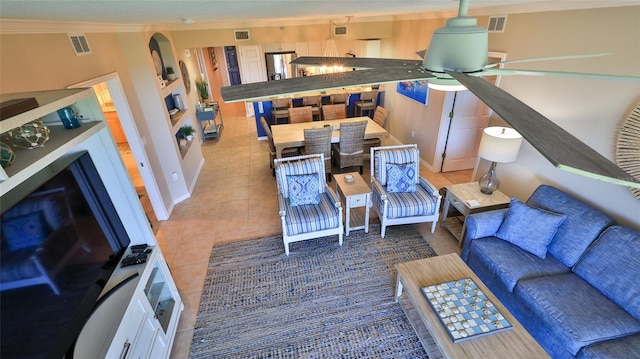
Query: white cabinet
147,327
280,47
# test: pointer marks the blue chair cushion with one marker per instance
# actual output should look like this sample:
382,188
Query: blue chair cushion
410,204
303,189
529,228
299,167
574,311
397,156
510,264
582,226
401,177
312,217
612,265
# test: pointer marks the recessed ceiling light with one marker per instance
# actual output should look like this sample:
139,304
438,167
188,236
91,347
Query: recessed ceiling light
188,21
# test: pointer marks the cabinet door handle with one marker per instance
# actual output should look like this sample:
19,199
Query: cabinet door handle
125,350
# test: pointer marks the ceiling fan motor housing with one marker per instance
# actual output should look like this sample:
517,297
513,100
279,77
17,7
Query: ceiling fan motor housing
460,46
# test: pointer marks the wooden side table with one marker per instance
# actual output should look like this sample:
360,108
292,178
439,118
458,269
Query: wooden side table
467,199
355,194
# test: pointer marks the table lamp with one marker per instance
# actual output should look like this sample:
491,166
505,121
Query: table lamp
498,144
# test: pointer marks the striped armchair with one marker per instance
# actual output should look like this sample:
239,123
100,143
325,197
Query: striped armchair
308,207
400,195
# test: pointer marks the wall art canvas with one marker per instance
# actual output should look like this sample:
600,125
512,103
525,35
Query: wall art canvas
415,90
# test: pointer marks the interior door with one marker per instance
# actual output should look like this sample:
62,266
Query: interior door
470,117
233,67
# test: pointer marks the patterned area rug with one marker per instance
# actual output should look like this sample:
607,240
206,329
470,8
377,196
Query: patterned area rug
321,301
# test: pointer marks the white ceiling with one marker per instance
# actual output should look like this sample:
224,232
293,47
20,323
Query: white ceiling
249,13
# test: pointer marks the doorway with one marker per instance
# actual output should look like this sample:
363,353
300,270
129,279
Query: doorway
233,65
119,119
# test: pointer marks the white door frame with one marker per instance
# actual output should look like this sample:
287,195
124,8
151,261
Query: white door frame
136,143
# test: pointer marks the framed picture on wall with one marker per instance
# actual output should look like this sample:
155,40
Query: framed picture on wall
415,90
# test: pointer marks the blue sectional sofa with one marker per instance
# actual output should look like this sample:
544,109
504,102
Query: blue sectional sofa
567,272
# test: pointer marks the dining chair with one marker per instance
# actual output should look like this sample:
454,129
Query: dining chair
308,207
280,109
316,103
339,98
318,140
334,112
287,152
300,114
380,117
367,102
348,152
399,194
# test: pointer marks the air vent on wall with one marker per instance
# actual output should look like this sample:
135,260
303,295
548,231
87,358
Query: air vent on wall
79,44
339,30
497,23
241,35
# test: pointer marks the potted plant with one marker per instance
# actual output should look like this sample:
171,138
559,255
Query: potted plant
202,89
187,132
171,75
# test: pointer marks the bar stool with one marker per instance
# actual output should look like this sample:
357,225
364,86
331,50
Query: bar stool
367,103
339,98
280,109
315,102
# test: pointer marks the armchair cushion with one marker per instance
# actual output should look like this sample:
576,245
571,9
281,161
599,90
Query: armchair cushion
406,204
401,177
303,189
308,166
529,228
312,218
396,156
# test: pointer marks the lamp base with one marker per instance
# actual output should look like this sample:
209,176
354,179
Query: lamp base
489,183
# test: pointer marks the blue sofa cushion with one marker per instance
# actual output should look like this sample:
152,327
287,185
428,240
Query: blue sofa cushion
508,263
582,226
627,347
574,311
612,265
529,228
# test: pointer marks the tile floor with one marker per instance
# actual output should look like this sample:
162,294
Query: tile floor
235,199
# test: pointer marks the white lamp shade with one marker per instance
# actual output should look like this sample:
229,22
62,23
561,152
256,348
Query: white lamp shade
500,144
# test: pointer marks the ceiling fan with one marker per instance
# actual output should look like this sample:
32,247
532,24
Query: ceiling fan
457,59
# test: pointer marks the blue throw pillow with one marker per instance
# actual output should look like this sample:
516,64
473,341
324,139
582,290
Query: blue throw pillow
529,228
401,177
25,231
303,189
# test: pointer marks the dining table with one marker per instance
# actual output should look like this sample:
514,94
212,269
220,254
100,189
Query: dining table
292,135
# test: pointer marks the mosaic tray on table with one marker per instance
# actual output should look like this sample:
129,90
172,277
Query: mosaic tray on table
464,310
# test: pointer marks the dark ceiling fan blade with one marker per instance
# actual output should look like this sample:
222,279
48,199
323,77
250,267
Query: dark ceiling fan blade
354,62
422,53
297,85
560,147
584,75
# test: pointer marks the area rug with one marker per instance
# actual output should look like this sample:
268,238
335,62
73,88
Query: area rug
321,301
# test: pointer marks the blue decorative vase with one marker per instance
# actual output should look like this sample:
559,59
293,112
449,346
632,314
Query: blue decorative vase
68,117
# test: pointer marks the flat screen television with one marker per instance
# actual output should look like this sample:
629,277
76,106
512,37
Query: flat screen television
61,240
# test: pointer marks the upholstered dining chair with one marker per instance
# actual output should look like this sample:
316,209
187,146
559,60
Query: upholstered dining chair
287,152
367,102
348,152
316,104
309,208
300,114
399,194
280,109
318,140
334,112
380,117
